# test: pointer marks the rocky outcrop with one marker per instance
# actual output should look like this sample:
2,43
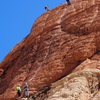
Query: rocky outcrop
59,41
88,64
81,85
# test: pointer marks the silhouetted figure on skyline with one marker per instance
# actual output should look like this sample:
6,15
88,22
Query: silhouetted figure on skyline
46,8
68,2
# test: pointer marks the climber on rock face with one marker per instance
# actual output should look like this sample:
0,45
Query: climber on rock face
26,90
18,90
46,8
68,2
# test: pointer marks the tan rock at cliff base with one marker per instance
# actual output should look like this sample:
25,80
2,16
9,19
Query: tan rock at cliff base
82,85
59,41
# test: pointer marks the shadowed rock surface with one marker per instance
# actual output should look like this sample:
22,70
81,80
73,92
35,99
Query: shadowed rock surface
60,40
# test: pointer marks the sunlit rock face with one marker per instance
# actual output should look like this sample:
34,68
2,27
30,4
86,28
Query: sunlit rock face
59,41
81,85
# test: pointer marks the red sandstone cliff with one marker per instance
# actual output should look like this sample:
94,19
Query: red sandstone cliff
59,41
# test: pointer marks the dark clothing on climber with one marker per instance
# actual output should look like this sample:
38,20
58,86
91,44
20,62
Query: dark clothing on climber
19,93
68,2
18,89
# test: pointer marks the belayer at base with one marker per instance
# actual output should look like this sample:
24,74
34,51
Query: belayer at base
26,93
18,90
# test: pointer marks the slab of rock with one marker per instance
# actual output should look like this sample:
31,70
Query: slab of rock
58,42
88,64
97,96
82,85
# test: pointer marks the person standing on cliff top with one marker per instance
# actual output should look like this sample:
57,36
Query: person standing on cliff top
18,90
46,8
68,2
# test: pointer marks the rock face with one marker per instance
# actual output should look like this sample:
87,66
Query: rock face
82,85
60,40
